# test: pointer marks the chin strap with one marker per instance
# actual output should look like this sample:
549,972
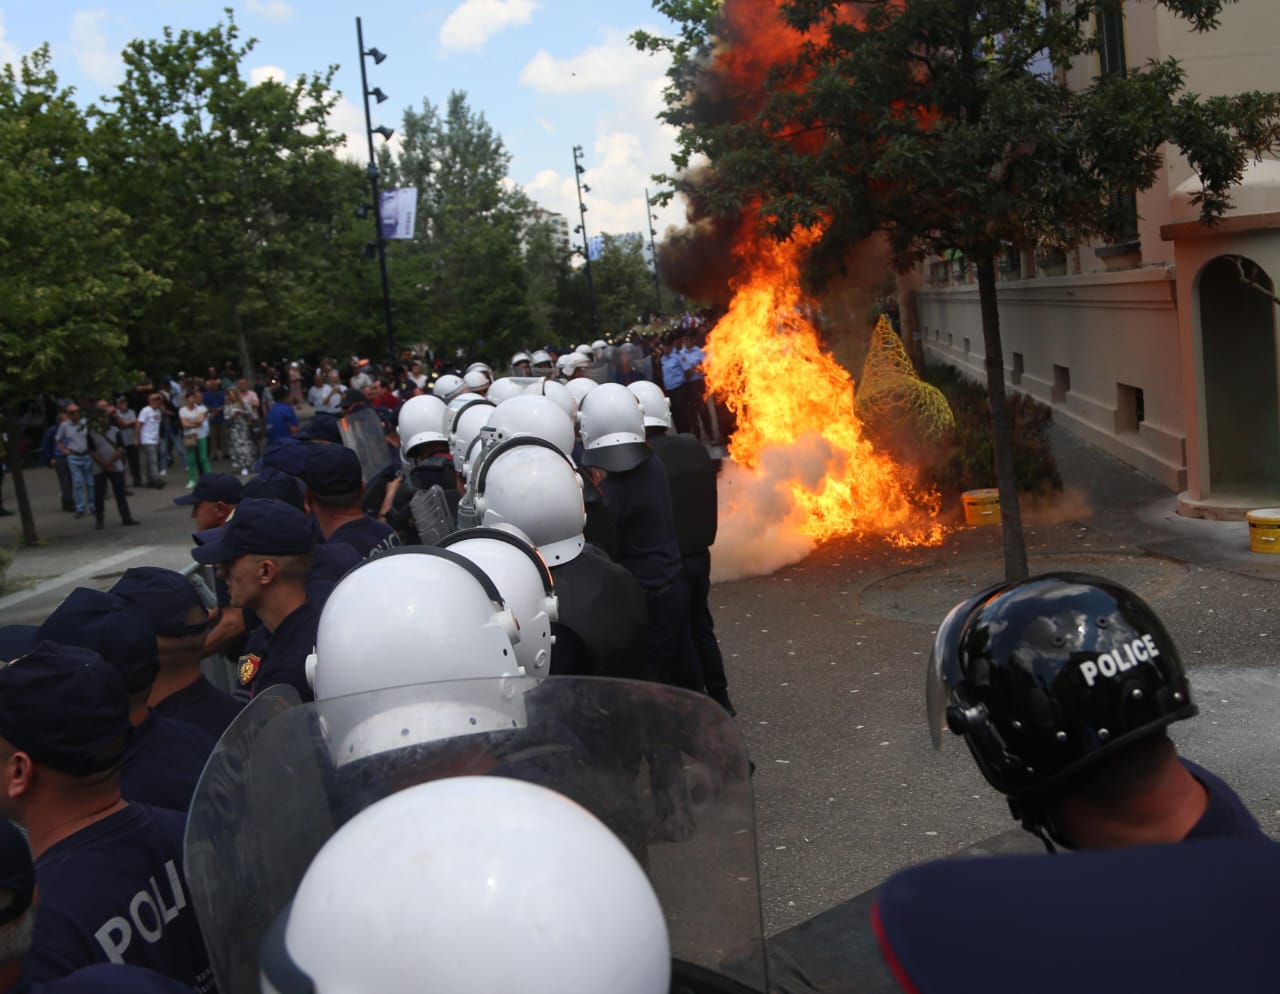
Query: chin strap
1036,820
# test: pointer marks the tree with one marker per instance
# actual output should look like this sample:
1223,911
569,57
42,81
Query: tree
231,186
69,285
933,122
548,279
624,284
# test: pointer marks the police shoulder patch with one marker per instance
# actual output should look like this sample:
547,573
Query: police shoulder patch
248,668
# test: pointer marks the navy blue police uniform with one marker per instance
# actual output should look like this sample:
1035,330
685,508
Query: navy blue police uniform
18,882
603,624
168,599
640,502
1225,816
112,891
212,488
1198,916
269,527
691,473
164,758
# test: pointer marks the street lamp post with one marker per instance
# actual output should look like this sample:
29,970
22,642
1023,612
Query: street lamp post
653,251
370,131
578,170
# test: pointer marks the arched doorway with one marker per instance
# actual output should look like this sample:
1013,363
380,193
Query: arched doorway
1238,348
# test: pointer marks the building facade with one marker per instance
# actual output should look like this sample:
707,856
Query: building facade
1160,349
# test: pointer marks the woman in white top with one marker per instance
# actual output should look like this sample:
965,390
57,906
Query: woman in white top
195,437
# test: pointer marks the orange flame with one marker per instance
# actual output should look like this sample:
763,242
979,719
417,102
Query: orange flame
765,361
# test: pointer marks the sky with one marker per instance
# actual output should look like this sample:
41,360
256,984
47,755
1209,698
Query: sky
547,75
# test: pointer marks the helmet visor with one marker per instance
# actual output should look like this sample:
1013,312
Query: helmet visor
943,674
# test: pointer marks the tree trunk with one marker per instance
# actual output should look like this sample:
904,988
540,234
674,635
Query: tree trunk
242,342
29,535
1015,545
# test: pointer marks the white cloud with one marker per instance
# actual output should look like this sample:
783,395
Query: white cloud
476,21
629,146
8,50
272,10
547,125
260,74
613,64
92,52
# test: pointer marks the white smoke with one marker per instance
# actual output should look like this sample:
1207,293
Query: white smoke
759,527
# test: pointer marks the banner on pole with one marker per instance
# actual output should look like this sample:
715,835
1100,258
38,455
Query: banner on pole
398,212
595,247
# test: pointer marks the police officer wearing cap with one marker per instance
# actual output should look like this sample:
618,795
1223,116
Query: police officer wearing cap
212,500
334,494
264,555
180,621
108,871
17,923
164,758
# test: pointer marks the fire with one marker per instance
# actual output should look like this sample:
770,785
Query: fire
764,359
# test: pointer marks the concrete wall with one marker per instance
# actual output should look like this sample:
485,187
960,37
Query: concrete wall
1086,345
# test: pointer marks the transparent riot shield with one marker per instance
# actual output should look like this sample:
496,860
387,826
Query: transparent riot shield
362,432
665,769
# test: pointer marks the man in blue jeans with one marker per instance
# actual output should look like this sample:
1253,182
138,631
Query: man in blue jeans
72,440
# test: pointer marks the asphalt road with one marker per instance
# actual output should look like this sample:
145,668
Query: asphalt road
826,660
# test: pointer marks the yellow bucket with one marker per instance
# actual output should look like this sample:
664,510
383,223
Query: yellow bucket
1264,530
982,507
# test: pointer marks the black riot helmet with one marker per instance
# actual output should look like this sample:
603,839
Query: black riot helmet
1045,677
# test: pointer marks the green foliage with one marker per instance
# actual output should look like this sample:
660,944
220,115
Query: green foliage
70,284
623,283
965,459
232,190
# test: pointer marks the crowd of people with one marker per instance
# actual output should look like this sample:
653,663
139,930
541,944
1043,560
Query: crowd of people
548,522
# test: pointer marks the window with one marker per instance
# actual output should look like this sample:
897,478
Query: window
1015,374
1130,408
1112,61
1061,383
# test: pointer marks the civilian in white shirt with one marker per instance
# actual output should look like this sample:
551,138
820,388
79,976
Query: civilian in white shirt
147,429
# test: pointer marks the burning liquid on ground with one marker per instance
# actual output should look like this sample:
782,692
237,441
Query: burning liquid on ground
801,471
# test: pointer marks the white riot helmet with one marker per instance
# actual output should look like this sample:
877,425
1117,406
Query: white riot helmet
559,393
467,422
571,362
598,346
453,407
448,386
420,421
439,618
481,366
585,350
541,363
534,415
520,359
529,483
504,389
580,386
655,404
612,423
421,885
477,380
524,581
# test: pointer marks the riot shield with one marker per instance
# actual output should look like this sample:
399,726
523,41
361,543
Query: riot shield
430,509
362,433
216,828
665,769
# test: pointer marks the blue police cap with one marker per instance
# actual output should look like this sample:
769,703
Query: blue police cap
288,456
322,428
15,640
332,471
65,707
213,487
272,484
112,627
258,527
166,597
17,872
